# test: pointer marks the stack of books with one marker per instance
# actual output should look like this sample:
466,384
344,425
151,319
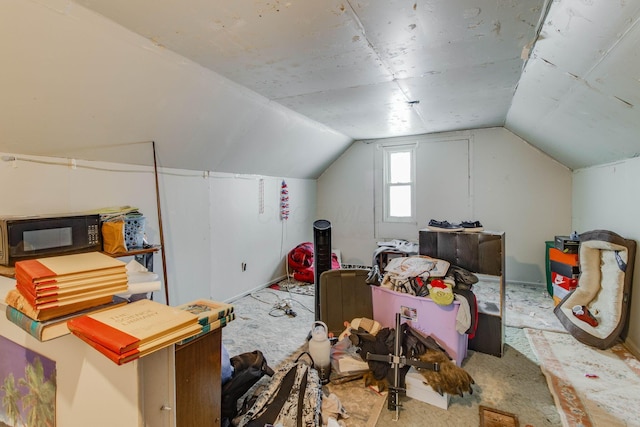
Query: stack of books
133,330
19,312
211,315
49,291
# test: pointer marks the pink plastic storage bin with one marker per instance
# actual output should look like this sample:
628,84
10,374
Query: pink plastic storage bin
431,319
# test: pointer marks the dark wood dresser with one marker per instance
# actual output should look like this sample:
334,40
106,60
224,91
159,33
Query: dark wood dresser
198,381
482,253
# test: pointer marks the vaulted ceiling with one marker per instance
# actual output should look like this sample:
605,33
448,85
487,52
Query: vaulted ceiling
562,74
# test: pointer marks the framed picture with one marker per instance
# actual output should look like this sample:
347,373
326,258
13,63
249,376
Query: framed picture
27,386
490,417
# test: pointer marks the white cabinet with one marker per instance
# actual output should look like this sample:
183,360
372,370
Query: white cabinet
93,391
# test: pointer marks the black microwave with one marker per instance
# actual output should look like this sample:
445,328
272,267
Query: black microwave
28,237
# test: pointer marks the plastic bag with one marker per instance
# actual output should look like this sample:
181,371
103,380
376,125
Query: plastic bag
113,237
346,363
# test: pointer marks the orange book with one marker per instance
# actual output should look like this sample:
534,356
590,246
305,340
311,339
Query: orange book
67,267
144,349
130,326
118,358
15,299
62,300
120,275
79,290
70,298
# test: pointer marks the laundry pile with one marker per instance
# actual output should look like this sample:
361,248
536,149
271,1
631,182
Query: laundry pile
424,276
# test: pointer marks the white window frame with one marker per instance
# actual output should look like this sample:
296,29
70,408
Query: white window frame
387,150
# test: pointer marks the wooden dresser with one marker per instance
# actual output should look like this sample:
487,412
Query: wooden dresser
198,383
482,253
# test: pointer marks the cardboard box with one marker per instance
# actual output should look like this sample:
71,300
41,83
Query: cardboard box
566,245
418,389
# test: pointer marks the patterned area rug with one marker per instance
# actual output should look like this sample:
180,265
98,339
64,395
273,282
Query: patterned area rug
590,387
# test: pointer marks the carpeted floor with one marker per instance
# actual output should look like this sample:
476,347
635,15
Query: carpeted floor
513,383
591,387
261,323
526,306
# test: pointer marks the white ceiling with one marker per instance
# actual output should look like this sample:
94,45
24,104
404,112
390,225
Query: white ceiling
385,68
281,88
356,66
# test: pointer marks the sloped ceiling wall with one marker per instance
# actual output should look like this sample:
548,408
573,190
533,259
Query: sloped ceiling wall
77,85
579,96
282,88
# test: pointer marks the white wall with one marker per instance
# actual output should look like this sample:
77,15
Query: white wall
211,222
512,188
605,198
241,234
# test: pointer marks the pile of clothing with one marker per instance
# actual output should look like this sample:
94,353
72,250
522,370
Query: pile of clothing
367,337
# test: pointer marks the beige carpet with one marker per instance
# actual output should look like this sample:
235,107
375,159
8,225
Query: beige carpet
591,387
513,383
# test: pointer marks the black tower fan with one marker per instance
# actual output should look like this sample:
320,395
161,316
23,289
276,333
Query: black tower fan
321,255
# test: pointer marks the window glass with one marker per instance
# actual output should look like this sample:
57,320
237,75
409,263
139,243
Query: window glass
400,201
399,183
400,167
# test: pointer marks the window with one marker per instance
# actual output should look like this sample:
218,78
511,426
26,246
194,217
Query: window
399,183
406,196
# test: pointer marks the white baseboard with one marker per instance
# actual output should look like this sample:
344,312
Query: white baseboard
257,288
